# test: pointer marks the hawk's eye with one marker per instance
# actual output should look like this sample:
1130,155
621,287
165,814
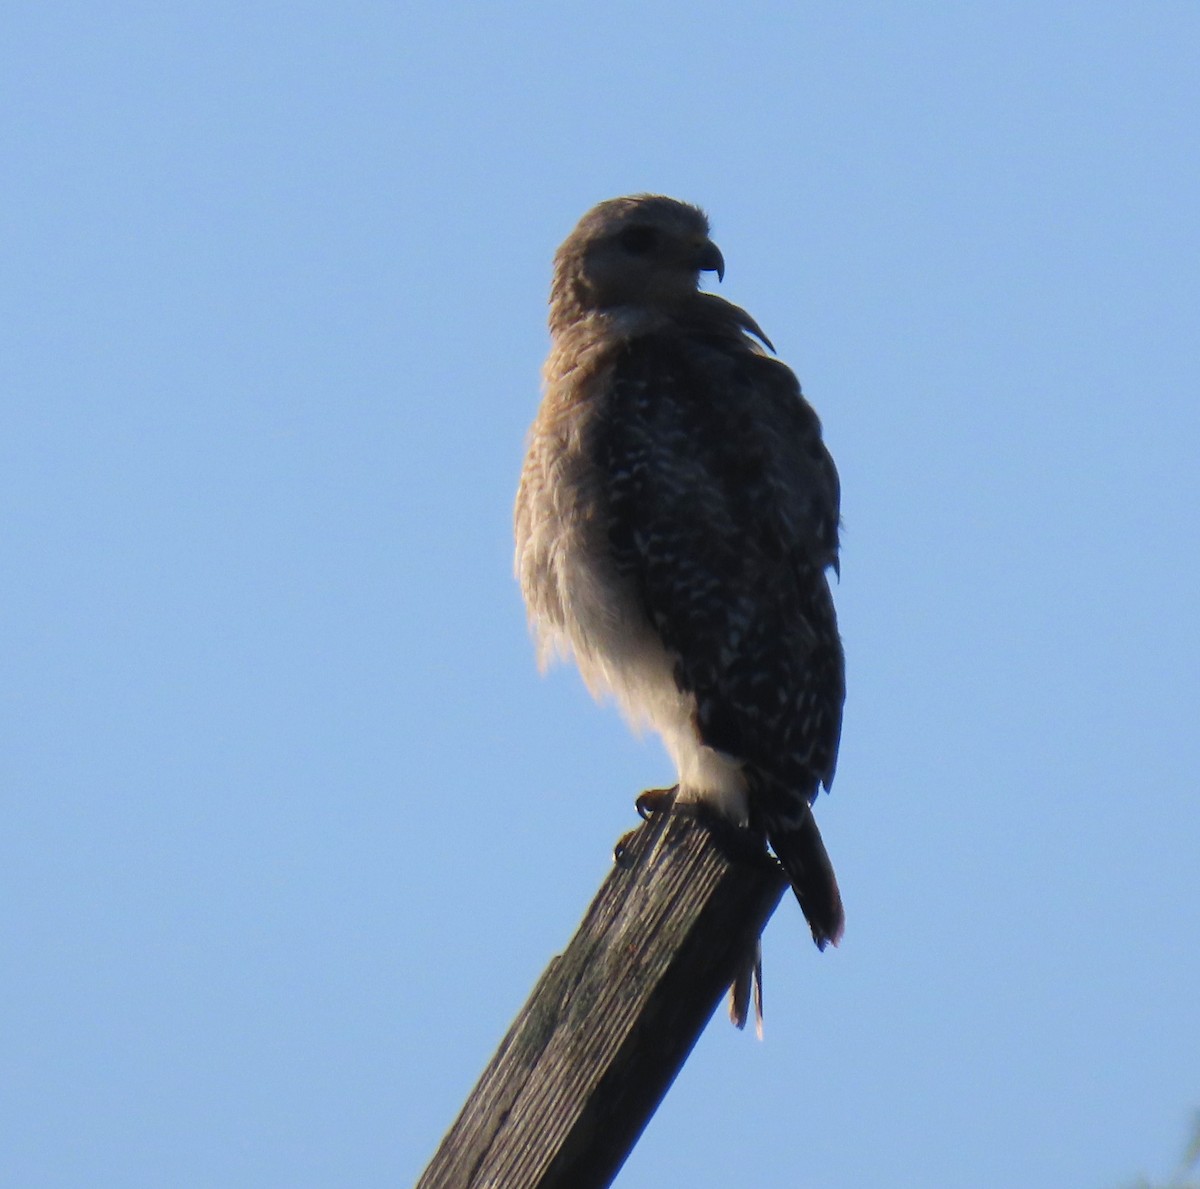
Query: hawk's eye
638,240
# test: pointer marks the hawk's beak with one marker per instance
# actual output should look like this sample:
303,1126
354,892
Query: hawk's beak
711,260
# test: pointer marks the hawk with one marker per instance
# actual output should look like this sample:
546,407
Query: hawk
675,524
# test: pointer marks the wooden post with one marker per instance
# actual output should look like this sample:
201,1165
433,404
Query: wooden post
612,1020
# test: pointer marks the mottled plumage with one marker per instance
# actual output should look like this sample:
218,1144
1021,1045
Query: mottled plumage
677,516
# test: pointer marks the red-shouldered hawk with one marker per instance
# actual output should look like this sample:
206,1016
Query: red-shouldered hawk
676,519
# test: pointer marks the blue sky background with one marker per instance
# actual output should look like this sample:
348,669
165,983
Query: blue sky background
290,823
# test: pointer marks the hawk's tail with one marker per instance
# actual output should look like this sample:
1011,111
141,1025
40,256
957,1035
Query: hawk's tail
748,982
797,844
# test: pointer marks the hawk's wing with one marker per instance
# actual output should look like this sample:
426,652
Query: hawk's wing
722,506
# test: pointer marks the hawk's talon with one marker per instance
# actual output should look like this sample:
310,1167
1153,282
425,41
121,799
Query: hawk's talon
654,801
621,855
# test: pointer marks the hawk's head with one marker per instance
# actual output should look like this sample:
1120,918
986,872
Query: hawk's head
643,250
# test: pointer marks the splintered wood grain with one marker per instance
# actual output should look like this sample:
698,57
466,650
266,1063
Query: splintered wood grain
612,1019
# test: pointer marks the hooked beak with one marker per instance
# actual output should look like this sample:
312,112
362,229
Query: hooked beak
710,259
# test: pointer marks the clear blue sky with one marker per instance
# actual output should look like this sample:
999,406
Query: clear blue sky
290,822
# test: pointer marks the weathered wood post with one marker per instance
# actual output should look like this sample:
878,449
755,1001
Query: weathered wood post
612,1019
